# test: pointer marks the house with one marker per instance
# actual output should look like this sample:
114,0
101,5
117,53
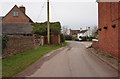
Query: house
16,22
109,28
80,33
74,33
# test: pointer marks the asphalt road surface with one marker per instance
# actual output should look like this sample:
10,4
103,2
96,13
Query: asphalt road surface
75,61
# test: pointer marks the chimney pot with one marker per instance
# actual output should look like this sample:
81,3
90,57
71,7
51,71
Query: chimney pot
22,8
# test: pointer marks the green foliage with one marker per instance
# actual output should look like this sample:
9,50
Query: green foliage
41,28
62,38
109,56
4,41
86,38
68,37
73,38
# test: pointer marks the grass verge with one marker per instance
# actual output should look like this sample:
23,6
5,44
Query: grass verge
15,64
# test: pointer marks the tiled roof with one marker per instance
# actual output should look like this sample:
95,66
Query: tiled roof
78,31
16,28
83,31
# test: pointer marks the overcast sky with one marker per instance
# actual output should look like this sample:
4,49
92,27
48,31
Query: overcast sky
74,14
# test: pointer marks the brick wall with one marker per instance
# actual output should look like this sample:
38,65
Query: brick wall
108,38
95,44
119,32
18,45
54,39
21,18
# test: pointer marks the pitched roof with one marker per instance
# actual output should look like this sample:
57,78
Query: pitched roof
78,31
16,28
75,31
83,31
21,11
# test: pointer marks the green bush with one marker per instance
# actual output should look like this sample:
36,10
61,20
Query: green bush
4,41
62,38
68,37
86,38
73,38
41,28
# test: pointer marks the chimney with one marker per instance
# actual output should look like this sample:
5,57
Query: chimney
22,8
80,29
70,32
88,28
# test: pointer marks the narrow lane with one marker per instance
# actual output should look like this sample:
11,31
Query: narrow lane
75,61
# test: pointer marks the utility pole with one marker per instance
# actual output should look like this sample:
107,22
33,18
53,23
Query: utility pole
86,34
48,23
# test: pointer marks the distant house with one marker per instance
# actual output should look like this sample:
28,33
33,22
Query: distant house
74,33
81,34
16,22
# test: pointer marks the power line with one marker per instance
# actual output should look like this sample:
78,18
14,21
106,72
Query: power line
41,11
53,12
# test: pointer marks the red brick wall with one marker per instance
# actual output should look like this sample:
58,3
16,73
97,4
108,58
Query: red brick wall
9,18
119,32
108,38
17,45
54,39
95,44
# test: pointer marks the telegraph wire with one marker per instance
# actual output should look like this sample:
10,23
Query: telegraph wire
41,11
53,10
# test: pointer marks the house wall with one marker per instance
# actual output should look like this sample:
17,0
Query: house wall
72,34
17,45
108,38
21,18
119,33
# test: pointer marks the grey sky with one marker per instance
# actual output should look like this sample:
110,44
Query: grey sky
72,13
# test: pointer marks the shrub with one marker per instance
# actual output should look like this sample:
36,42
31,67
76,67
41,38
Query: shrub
86,38
73,38
62,38
68,37
41,28
4,41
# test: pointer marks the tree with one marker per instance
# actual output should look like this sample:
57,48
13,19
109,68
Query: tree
65,30
41,28
95,31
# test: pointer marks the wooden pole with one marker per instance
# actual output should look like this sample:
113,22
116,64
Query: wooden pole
48,23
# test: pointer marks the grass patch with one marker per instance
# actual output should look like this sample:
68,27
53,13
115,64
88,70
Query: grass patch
102,54
15,64
109,56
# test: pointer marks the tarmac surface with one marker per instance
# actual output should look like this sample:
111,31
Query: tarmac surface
74,61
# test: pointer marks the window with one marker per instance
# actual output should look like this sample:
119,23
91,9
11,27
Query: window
15,13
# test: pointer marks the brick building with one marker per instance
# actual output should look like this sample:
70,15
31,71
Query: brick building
74,33
16,15
109,27
16,22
